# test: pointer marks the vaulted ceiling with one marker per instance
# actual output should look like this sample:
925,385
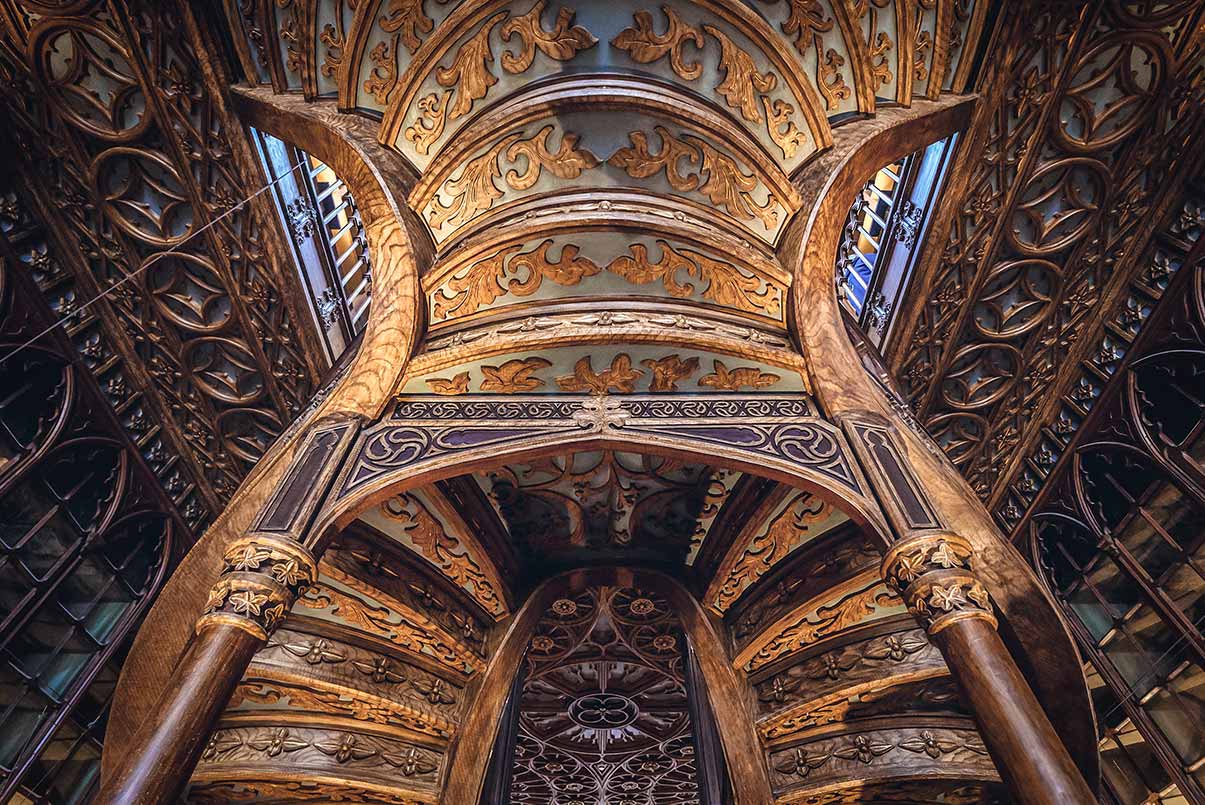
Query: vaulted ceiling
635,167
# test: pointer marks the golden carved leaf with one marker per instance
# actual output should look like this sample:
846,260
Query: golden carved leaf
824,621
641,163
407,19
567,163
730,187
756,558
561,43
828,77
450,555
568,271
620,376
429,126
469,73
723,379
473,191
726,285
669,370
483,283
742,81
449,387
645,46
514,376
783,131
639,270
806,20
478,287
383,76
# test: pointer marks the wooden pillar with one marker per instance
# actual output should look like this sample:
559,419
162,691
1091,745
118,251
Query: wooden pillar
263,573
263,576
933,574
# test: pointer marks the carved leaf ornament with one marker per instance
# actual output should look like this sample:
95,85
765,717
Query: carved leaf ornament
514,272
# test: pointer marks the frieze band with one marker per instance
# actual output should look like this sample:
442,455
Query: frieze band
933,574
263,576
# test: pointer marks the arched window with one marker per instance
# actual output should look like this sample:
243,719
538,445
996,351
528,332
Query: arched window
81,552
1129,567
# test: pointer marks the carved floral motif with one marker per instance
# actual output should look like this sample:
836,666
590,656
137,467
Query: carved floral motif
475,191
512,271
710,172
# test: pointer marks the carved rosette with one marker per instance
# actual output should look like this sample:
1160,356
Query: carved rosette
933,574
263,574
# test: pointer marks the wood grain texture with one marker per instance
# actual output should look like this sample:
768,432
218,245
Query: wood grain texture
363,389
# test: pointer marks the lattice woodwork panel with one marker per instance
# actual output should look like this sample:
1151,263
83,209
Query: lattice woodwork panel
1085,137
130,153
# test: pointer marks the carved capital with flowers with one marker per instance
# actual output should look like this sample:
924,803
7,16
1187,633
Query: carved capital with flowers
263,574
933,574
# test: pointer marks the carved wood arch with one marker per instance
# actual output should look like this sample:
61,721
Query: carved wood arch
600,423
808,247
362,388
726,693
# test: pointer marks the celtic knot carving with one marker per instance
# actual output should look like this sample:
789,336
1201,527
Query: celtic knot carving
421,429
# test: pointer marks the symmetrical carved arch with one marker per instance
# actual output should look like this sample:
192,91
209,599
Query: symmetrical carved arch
783,436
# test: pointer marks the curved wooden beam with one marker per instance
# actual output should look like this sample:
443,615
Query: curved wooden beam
1033,627
396,249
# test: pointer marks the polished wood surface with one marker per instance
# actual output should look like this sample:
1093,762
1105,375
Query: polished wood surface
170,744
1027,750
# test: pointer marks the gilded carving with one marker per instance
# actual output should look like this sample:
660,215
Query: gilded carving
762,551
458,384
718,176
783,131
432,118
395,627
383,76
823,621
562,43
742,80
346,703
667,371
743,85
447,552
514,376
407,19
724,379
469,77
645,46
317,748
475,190
619,376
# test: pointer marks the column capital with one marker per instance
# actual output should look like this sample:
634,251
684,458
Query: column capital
263,574
933,573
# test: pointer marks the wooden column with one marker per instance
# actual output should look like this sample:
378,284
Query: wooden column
933,574
263,573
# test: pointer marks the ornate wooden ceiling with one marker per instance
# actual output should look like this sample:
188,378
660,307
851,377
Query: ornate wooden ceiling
128,149
605,190
1082,143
